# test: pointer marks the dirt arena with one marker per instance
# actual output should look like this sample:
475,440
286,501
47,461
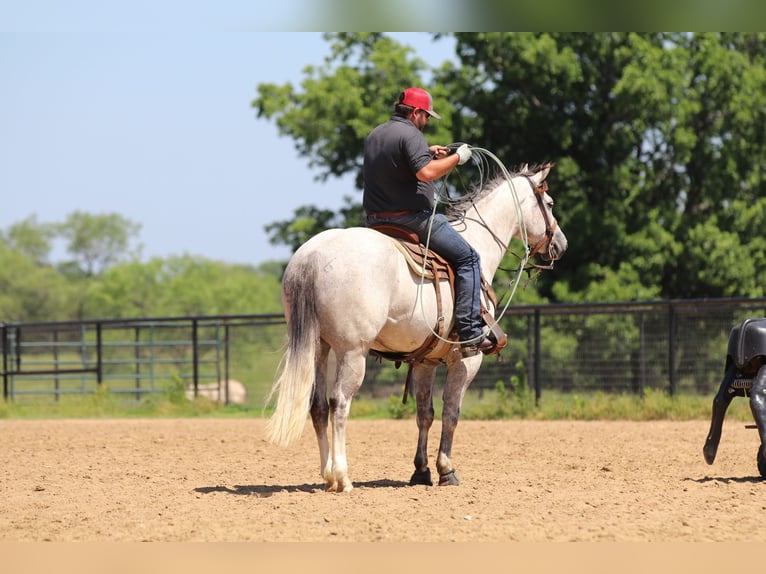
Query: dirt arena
218,480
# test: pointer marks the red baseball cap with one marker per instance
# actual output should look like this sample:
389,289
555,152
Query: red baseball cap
420,99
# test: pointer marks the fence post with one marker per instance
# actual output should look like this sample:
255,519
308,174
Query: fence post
99,355
56,379
226,360
5,359
195,356
672,349
641,356
538,387
137,359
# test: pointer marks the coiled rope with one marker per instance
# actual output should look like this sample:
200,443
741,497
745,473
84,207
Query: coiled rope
483,159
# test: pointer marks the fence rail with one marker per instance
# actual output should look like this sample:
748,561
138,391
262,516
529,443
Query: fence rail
674,345
135,356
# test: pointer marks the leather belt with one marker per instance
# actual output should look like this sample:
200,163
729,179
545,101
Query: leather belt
387,214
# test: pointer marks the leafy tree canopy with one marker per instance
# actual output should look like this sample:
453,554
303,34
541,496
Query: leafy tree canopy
658,141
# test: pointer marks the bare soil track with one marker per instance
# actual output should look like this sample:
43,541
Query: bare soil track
217,480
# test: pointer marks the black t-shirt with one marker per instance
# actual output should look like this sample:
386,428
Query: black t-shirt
393,153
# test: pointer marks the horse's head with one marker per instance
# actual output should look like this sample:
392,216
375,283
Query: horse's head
510,205
544,236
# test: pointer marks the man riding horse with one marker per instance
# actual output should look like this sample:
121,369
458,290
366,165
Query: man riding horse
351,293
399,173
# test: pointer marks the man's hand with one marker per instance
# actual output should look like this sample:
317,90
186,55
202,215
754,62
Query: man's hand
439,151
464,152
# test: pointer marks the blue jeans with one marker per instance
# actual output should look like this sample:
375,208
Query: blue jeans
460,255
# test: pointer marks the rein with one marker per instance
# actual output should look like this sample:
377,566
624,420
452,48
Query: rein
484,156
550,228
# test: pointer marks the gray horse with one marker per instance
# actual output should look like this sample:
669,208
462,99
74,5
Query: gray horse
351,291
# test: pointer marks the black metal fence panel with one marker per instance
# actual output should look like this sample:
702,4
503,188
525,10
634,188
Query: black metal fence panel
678,346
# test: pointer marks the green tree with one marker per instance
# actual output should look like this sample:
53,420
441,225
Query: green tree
29,291
654,135
97,241
31,238
657,140
182,286
132,289
196,286
337,106
309,220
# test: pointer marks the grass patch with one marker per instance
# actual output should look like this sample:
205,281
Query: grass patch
102,403
518,402
514,401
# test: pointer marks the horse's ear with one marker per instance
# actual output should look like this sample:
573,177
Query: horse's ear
541,174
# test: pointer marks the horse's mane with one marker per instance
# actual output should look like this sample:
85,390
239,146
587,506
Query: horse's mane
456,207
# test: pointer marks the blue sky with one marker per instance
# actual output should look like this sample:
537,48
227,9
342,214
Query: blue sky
156,125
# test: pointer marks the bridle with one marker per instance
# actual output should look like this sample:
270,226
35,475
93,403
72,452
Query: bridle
545,240
550,227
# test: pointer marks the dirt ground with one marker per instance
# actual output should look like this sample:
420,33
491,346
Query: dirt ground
186,480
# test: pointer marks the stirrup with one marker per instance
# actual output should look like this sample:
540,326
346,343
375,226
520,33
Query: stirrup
487,345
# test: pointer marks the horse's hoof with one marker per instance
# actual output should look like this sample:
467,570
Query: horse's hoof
449,479
421,477
343,485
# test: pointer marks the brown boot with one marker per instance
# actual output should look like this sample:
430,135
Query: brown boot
486,346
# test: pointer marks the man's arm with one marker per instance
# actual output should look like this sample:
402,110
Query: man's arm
443,162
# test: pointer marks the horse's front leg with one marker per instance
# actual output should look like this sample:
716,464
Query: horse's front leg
459,376
422,387
320,411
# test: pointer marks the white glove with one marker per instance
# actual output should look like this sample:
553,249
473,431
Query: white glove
464,153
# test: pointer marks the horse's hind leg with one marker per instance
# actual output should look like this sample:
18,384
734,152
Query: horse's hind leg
349,377
320,409
422,387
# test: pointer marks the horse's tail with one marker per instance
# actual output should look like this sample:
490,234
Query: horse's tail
295,382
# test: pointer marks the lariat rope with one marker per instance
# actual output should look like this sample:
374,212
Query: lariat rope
484,156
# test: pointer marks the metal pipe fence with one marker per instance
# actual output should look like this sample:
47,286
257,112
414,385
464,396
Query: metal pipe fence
133,357
677,346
